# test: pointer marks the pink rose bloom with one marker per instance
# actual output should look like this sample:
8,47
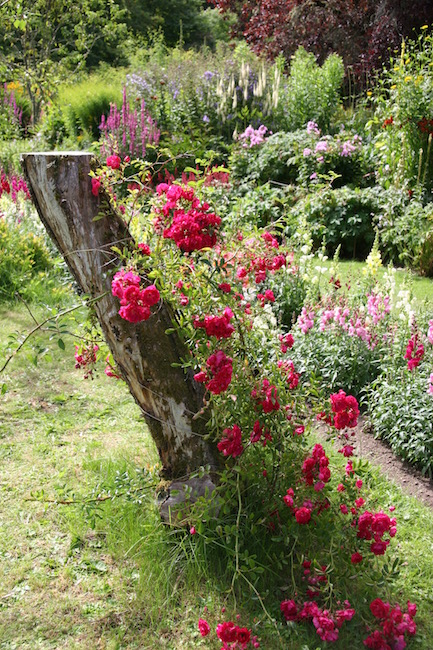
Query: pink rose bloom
113,162
203,627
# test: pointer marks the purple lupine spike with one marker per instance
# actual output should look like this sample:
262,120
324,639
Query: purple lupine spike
128,131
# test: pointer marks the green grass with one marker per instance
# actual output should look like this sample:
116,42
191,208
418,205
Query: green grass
420,287
110,575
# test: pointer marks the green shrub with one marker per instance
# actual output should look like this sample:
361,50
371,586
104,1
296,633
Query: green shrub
335,360
277,159
24,255
77,110
401,411
11,150
312,92
260,206
405,231
303,157
341,217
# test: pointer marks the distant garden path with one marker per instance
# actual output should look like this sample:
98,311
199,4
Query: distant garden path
379,454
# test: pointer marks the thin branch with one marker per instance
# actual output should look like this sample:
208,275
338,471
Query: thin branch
99,499
71,502
40,325
27,307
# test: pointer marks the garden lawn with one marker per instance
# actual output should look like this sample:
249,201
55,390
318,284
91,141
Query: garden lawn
108,577
420,287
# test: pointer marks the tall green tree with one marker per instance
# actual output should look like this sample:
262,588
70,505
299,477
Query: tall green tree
45,41
178,20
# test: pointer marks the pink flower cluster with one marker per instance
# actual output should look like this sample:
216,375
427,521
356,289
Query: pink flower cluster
289,370
12,184
252,137
315,468
414,352
203,627
327,626
128,131
144,248
268,296
345,148
355,323
135,302
218,326
259,264
234,637
110,370
373,526
266,397
85,357
313,128
113,161
430,332
306,320
378,306
349,147
219,375
345,410
96,184
184,220
10,103
231,444
304,512
394,625
286,342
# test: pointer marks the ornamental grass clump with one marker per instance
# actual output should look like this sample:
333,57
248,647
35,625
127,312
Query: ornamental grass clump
295,529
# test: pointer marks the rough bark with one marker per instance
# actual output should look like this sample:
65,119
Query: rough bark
145,354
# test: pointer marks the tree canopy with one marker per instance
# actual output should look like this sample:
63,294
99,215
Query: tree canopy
42,41
45,41
361,31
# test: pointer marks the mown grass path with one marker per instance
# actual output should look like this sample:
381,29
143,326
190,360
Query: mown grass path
59,588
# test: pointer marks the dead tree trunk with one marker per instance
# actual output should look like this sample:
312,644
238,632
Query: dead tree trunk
145,354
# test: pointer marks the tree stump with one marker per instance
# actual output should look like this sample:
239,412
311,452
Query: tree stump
168,396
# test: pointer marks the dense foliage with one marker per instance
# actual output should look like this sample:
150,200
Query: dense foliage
363,33
237,178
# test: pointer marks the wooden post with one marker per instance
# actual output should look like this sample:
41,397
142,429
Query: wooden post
168,396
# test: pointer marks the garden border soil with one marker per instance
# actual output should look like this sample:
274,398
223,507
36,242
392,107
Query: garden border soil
379,454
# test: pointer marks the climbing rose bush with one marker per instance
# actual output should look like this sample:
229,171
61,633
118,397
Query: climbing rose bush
283,500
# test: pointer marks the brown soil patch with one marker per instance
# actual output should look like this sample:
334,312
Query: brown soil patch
379,454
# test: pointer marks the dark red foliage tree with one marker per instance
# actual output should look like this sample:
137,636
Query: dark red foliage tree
363,32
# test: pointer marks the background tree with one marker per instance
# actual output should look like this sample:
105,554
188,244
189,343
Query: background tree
178,20
361,31
43,41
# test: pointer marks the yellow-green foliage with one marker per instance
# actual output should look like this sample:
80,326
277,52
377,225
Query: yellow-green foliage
77,110
23,255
